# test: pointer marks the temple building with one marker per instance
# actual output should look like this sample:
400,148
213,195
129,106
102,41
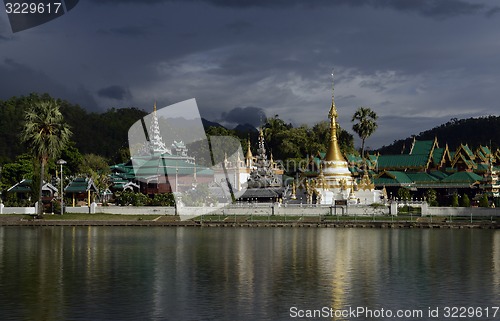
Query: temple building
424,165
264,182
158,169
334,181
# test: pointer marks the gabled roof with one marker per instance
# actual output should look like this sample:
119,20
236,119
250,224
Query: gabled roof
463,157
125,185
422,178
437,156
441,156
423,147
80,185
24,186
438,174
162,165
463,178
434,179
465,151
483,152
392,178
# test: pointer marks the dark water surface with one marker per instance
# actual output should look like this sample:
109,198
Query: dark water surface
162,273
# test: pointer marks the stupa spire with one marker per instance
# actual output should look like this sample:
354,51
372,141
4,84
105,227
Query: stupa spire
156,142
249,156
333,153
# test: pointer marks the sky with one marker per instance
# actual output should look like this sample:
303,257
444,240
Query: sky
417,64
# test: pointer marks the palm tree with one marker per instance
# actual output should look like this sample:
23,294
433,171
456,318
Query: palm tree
365,126
46,134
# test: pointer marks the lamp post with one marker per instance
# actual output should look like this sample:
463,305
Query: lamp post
176,176
62,162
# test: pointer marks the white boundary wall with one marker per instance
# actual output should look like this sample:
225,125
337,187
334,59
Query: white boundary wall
461,211
17,210
124,210
264,209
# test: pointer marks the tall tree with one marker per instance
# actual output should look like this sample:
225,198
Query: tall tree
97,168
365,126
46,134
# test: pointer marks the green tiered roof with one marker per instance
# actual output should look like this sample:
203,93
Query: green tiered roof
437,155
463,178
402,161
393,178
422,147
80,185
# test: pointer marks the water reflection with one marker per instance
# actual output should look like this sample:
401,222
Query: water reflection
110,273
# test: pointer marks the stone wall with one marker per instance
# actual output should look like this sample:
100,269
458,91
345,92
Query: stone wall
461,211
17,210
266,209
124,210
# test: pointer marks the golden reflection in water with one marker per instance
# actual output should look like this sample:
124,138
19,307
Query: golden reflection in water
336,264
261,269
496,258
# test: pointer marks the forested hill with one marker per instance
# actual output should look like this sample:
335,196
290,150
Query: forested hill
105,134
473,131
99,133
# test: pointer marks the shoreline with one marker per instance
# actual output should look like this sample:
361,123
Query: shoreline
257,224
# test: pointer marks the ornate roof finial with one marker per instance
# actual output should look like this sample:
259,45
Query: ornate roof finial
333,109
249,151
333,153
156,142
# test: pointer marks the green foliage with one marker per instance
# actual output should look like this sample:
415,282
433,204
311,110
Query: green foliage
454,200
45,132
162,200
97,168
138,199
122,156
286,141
90,130
365,125
431,197
483,202
404,194
14,200
465,201
130,198
73,158
16,171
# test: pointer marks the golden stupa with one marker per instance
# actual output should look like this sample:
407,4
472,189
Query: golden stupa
334,165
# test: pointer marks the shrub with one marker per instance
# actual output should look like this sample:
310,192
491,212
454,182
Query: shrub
483,202
431,197
465,201
454,200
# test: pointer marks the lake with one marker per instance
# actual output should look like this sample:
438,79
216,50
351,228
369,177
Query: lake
191,273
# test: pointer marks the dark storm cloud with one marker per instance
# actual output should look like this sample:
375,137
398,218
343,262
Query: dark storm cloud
238,27
126,31
247,115
115,92
20,80
134,2
493,11
431,8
